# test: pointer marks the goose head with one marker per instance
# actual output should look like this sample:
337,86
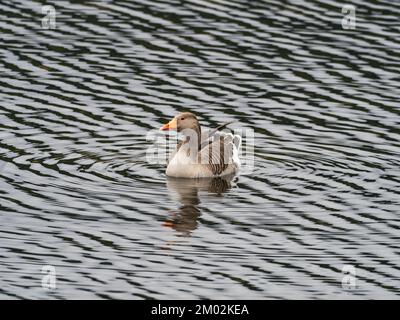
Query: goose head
183,121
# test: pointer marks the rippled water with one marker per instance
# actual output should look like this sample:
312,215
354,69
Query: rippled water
77,193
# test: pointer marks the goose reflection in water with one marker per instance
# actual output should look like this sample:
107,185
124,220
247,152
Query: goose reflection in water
188,193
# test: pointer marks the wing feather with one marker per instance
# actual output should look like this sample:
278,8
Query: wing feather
217,155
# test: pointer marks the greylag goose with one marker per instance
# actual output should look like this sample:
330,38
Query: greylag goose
202,155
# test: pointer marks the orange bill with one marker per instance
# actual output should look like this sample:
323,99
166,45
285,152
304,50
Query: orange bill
172,125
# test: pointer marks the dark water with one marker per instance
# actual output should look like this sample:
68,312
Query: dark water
77,193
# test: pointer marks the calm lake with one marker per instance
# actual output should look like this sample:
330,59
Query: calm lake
83,83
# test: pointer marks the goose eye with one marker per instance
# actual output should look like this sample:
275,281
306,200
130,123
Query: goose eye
182,118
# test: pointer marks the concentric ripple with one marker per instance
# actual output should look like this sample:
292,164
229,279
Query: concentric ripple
76,190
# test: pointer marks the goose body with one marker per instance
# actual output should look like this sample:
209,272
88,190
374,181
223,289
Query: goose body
202,155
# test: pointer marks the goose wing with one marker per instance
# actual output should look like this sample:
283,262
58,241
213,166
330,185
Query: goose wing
219,152
207,136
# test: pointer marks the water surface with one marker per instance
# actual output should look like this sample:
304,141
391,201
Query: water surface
77,193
